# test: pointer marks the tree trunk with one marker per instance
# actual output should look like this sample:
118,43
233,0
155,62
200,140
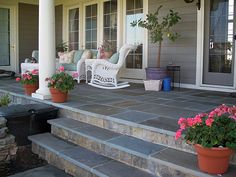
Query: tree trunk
159,56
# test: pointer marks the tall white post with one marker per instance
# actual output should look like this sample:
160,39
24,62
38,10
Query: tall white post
47,52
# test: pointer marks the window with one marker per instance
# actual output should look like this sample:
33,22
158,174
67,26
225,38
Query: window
74,29
110,22
91,27
5,37
134,35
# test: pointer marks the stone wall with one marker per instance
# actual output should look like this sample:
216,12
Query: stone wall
8,146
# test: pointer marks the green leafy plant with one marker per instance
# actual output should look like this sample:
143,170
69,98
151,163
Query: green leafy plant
61,80
216,129
158,29
5,100
62,47
29,77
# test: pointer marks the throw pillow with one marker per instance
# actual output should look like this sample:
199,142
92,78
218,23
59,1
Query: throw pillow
66,57
86,55
114,58
78,55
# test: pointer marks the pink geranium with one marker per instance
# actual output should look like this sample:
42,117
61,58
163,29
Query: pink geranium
18,79
217,128
30,77
61,69
75,75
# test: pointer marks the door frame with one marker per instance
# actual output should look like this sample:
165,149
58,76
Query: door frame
130,74
14,50
200,55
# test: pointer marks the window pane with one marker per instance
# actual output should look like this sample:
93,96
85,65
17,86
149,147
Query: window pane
134,35
91,27
4,37
73,28
110,22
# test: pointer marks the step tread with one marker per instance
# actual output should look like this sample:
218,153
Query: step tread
162,154
95,163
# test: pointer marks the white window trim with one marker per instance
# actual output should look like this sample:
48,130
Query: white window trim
200,55
135,72
98,24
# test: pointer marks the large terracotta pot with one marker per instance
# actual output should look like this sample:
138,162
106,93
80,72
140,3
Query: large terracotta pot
30,88
213,160
58,96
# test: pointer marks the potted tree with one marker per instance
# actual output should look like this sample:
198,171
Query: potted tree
158,30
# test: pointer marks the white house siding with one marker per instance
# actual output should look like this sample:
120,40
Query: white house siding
183,51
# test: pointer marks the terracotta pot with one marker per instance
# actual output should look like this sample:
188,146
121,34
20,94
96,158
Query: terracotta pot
213,160
30,88
58,96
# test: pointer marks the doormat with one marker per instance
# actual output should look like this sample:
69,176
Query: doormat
4,73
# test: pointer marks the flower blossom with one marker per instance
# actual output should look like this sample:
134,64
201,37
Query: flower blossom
178,134
18,79
209,122
75,75
61,69
35,72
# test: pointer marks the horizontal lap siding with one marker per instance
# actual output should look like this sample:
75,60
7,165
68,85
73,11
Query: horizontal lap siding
183,51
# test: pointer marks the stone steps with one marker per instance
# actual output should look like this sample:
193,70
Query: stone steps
161,133
157,134
153,158
78,161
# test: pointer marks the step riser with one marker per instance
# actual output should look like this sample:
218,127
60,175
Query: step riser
131,130
60,163
117,154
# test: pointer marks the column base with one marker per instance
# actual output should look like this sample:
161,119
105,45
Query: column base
41,96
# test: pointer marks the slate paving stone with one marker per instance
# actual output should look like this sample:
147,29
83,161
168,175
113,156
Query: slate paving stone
49,140
101,109
137,145
134,116
126,103
184,159
171,112
68,123
99,133
162,123
187,160
117,169
128,93
45,171
85,156
161,101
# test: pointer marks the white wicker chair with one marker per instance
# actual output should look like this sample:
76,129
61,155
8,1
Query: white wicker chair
104,73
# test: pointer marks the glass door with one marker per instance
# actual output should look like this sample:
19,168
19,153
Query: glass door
7,47
219,44
134,65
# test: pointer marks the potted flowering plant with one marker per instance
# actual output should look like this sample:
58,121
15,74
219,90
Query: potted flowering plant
213,136
30,80
60,83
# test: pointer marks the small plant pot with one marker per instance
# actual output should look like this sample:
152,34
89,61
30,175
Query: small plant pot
58,96
30,88
213,160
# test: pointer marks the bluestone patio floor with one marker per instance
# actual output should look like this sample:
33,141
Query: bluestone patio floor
134,104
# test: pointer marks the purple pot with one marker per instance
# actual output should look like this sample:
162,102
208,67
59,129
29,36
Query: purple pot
156,73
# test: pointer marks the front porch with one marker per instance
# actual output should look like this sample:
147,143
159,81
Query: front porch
109,118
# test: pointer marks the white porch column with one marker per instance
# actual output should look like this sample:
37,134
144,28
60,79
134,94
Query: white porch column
47,52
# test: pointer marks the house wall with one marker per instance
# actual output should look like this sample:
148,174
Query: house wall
183,51
28,30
